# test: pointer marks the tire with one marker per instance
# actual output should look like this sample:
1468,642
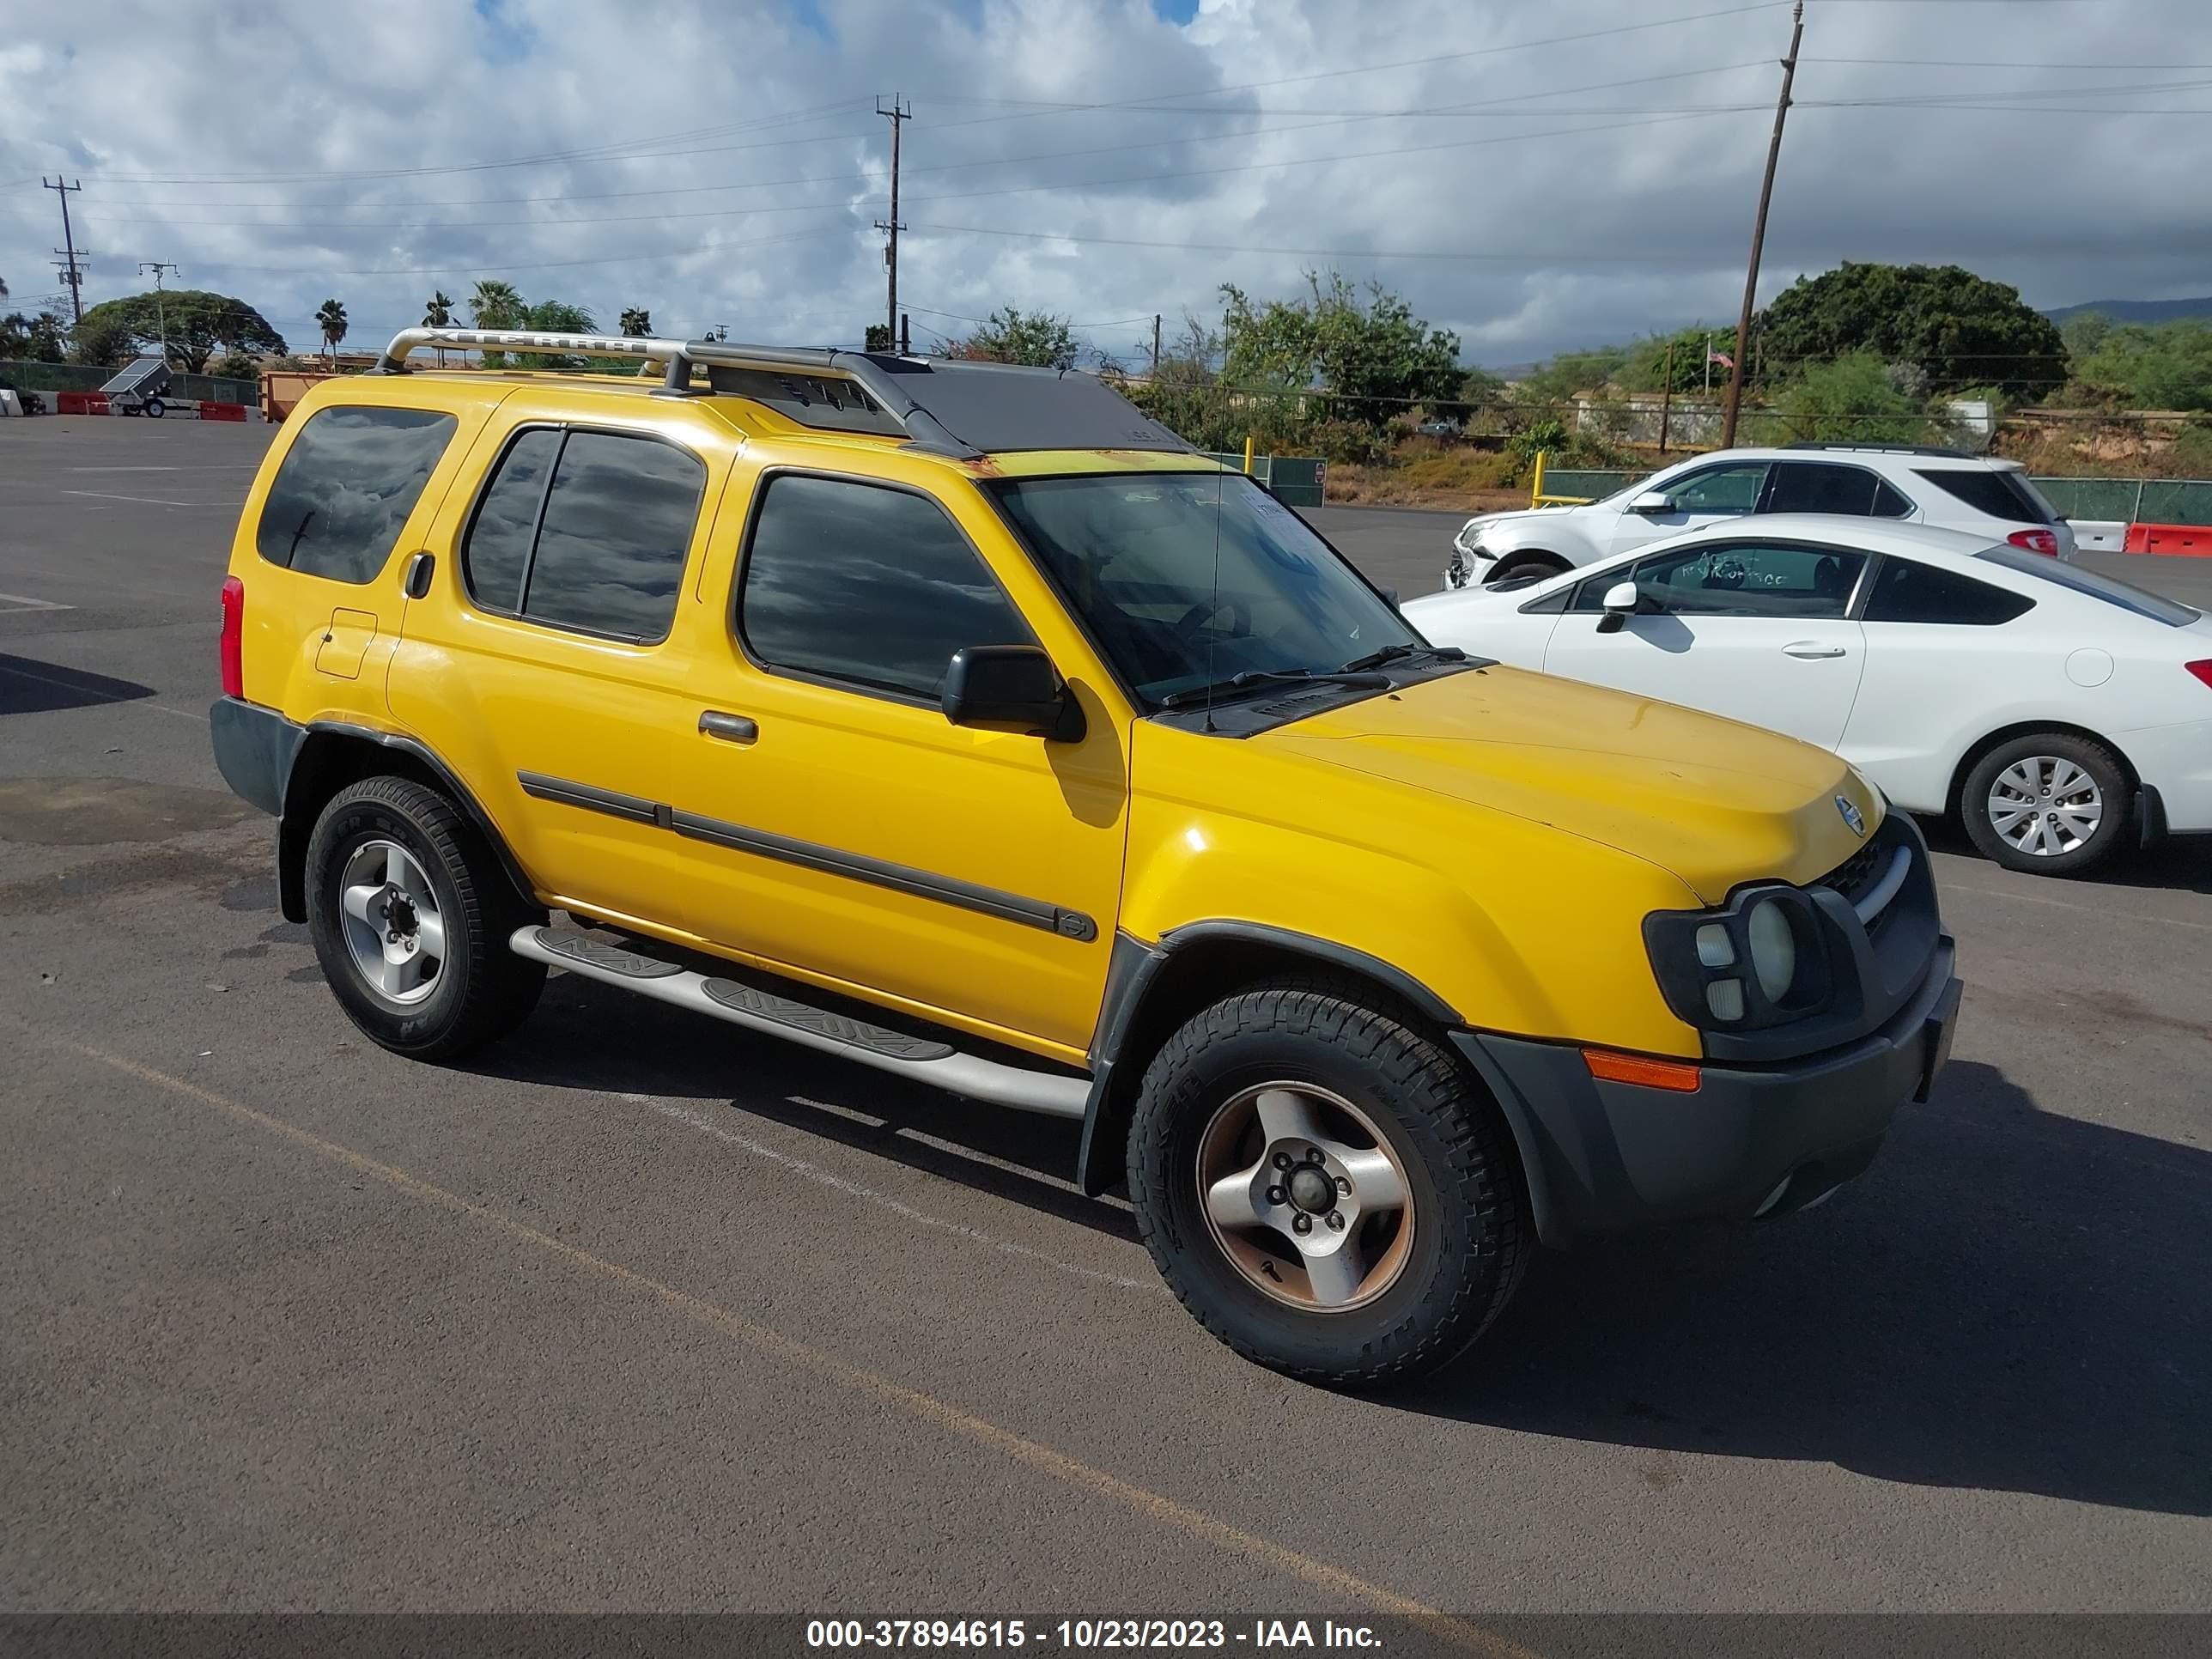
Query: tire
155,407
447,984
1530,563
1436,1273
2074,795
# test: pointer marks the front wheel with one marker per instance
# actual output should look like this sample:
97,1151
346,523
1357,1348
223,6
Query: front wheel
1511,567
409,913
155,407
1324,1187
2049,803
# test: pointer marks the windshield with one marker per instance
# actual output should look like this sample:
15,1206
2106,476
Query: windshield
1180,595
2112,592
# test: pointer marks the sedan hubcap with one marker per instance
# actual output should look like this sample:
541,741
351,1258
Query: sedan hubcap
393,930
1304,1196
2045,805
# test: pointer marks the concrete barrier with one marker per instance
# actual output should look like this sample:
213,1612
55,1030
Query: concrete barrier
2100,535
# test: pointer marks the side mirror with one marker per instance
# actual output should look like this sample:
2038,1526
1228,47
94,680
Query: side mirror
1652,501
1010,688
1620,603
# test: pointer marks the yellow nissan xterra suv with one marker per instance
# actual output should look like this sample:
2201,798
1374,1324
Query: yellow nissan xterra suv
960,720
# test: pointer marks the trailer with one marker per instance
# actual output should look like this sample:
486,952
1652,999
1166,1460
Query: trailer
140,389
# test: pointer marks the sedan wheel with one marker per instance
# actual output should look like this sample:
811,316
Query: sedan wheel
2046,806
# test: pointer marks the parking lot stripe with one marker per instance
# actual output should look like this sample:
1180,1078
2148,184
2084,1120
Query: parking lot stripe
2067,904
909,1403
146,501
20,601
103,697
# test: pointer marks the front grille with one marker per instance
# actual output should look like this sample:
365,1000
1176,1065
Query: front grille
1859,872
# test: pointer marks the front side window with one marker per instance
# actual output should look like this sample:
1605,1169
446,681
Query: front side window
1719,489
1186,580
1739,579
345,488
871,587
585,529
1907,591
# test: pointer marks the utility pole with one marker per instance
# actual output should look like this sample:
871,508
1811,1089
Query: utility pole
160,306
1155,345
898,115
72,273
1666,396
1758,232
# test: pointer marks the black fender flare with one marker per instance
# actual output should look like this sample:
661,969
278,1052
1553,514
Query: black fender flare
1133,972
295,826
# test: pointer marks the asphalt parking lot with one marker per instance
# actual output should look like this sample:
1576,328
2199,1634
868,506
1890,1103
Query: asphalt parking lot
639,1312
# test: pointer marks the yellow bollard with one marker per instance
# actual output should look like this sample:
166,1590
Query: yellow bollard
1248,454
1536,484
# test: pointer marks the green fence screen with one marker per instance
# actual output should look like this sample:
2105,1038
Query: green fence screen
76,377
1294,480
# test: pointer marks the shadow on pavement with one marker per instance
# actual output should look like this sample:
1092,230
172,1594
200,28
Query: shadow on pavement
588,1036
28,686
2008,1300
2175,863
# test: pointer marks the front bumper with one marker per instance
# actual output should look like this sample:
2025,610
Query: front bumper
1605,1157
1469,559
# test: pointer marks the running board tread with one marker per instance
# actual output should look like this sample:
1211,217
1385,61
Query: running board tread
897,1045
920,1058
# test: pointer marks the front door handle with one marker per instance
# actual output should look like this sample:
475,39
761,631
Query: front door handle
729,728
419,569
1808,651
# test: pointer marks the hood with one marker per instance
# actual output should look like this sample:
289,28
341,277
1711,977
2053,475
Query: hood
1714,802
1484,520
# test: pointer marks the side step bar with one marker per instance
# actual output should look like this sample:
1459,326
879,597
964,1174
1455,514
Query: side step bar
937,1063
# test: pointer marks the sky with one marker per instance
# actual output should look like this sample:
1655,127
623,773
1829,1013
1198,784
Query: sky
1533,178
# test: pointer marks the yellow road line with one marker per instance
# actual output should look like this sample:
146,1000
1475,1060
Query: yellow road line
910,1402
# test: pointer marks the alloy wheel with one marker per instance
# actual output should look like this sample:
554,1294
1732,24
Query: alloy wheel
1304,1196
393,930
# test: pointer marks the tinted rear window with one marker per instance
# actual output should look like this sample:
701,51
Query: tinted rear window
1824,487
1907,591
1998,493
2077,580
345,488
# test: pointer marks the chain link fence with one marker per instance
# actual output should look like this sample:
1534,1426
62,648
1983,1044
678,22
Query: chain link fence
78,377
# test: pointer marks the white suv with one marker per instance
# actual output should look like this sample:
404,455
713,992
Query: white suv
1947,488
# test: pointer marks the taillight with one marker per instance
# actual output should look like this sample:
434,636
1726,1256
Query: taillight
2036,541
233,637
2202,670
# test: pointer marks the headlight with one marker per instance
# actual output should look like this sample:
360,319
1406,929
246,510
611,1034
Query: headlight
1754,963
1773,949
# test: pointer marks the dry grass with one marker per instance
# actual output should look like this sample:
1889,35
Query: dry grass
1431,475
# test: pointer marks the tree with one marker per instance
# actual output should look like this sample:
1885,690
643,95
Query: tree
1961,330
636,322
199,324
1375,358
437,310
876,336
496,304
2160,366
1856,398
331,318
1014,335
1649,369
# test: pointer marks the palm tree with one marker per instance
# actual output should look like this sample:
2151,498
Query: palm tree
496,304
637,322
438,313
331,318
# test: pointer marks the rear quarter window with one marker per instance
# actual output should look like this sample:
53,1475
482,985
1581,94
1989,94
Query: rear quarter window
345,488
1996,493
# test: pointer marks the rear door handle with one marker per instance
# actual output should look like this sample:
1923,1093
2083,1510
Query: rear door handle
729,728
1808,651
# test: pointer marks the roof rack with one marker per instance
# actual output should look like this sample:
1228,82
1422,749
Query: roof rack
962,409
1892,449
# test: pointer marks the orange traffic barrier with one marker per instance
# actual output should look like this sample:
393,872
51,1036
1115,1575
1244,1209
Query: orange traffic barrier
2188,540
81,403
222,411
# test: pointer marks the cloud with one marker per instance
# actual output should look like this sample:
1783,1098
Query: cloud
1102,159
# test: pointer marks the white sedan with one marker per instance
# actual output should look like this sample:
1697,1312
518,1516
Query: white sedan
2059,712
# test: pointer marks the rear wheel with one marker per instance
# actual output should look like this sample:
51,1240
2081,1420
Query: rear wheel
410,913
1530,563
155,407
1323,1187
2049,803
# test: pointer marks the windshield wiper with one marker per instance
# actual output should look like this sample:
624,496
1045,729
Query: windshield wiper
1399,653
1250,678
